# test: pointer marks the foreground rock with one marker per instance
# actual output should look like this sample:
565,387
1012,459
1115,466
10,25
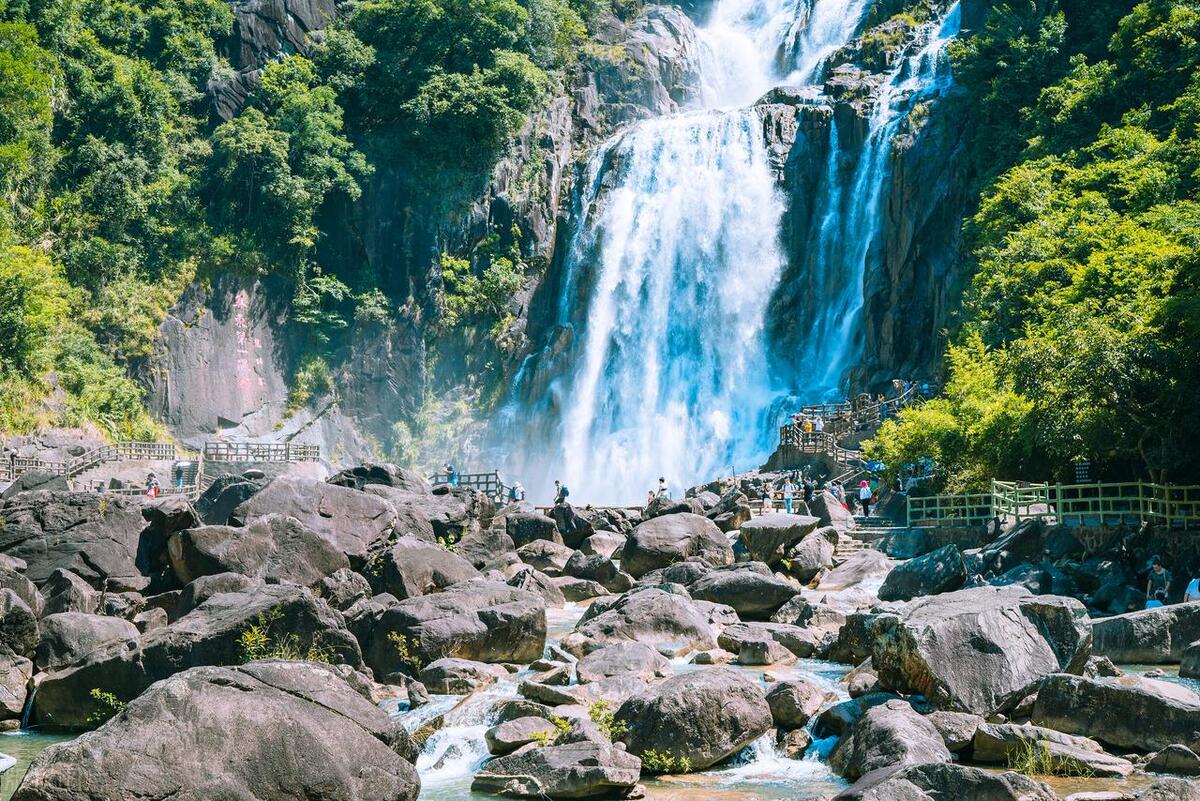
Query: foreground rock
1127,712
413,567
665,540
974,650
210,634
885,736
1148,636
1000,743
67,636
748,587
575,770
940,571
480,620
768,537
335,744
943,782
670,624
623,658
696,719
512,734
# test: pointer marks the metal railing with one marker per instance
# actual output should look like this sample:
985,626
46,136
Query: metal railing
1100,504
489,484
261,452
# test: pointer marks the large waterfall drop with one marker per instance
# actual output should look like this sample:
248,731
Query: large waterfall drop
675,255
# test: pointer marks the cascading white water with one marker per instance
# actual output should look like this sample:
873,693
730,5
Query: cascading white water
676,255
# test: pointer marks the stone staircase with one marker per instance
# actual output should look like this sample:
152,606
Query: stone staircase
867,532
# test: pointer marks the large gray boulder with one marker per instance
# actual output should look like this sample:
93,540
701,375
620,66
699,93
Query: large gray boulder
508,736
665,540
830,512
279,731
860,570
752,591
701,717
275,548
936,572
449,676
538,582
66,592
622,658
1126,712
210,634
449,513
1148,636
1189,663
353,521
794,702
546,556
670,624
813,555
768,537
15,672
525,527
941,782
1001,743
600,569
25,589
976,650
480,620
413,567
101,538
385,474
885,736
573,526
574,770
67,636
18,624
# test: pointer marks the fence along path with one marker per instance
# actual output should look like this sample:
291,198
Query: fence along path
1097,504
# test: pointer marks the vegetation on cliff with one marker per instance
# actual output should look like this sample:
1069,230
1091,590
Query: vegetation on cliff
1078,334
119,185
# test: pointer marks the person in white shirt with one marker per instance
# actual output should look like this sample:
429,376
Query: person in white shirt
864,497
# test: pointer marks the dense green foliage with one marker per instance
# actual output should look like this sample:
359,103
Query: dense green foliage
1079,331
119,186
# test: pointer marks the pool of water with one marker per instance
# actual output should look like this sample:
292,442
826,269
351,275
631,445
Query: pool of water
23,746
1170,673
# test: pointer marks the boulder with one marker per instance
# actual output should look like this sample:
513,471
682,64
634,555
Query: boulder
811,556
343,588
480,620
512,734
353,521
449,513
819,617
764,652
335,744
573,527
574,589
860,570
599,569
1177,759
97,537
731,512
672,538
1127,712
1189,663
66,592
668,623
1148,636
210,634
15,672
216,504
613,691
536,581
794,702
574,770
829,511
548,557
24,588
206,587
486,547
802,642
839,719
942,782
387,475
18,624
413,567
768,537
277,549
936,572
1169,790
754,594
449,676
885,736
67,636
622,658
977,650
957,728
701,717
603,543
527,527
1000,743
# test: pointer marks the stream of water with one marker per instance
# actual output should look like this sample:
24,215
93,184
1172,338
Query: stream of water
675,252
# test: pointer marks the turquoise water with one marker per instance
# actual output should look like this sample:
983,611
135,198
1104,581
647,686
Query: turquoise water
23,746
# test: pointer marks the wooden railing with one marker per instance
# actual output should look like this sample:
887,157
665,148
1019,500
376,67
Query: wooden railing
261,452
489,484
1101,504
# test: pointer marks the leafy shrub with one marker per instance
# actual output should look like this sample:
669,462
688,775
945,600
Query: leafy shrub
258,641
664,762
605,720
1036,759
107,706
407,651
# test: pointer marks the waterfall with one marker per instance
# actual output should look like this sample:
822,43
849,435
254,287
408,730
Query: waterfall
674,257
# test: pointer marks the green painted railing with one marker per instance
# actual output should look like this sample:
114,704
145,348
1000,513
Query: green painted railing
1100,504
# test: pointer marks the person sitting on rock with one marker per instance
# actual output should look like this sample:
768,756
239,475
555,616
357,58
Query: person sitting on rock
663,492
1159,599
1158,579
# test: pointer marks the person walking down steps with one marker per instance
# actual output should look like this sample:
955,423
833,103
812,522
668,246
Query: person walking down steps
864,497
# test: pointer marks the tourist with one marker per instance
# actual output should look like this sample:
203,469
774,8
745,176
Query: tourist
818,424
1158,579
766,499
865,497
560,492
789,491
152,486
649,497
663,492
179,476
1192,593
806,426
451,475
810,487
1159,599
516,493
